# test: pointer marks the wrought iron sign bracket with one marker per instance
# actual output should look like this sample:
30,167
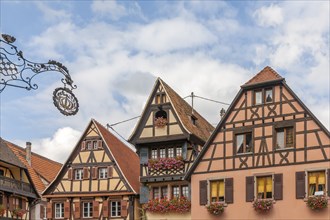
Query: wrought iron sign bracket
17,71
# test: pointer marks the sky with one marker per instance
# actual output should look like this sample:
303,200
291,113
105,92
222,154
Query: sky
115,50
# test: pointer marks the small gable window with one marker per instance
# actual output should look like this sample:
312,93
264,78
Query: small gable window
88,209
78,174
103,173
59,210
95,146
89,145
284,138
115,209
258,97
244,143
263,96
268,95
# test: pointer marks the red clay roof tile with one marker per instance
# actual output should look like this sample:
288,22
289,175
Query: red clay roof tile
265,75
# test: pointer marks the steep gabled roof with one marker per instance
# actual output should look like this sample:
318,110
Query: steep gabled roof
202,129
41,167
7,156
265,75
183,110
127,160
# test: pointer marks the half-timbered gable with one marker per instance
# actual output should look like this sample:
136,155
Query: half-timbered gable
98,180
169,131
267,136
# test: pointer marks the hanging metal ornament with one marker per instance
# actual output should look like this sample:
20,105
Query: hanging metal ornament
17,71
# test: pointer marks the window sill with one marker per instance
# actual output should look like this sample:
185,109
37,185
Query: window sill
284,149
273,200
224,203
306,198
247,153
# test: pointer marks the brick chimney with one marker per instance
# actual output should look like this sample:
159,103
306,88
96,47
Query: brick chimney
28,152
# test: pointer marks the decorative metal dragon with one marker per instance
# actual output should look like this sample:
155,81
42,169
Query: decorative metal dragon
19,72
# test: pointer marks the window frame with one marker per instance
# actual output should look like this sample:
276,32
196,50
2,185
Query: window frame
285,128
154,189
210,181
162,196
265,185
163,152
89,208
78,175
244,143
103,172
307,190
95,145
255,92
263,98
61,210
117,208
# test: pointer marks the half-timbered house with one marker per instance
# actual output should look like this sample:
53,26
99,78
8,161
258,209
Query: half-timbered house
168,137
99,180
268,148
42,171
18,194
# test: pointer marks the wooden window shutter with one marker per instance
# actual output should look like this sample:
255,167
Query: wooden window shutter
70,173
110,171
144,194
203,192
94,173
278,186
77,210
95,209
66,209
123,208
229,190
249,188
42,212
11,203
49,210
85,173
23,204
300,185
105,208
83,145
328,179
99,144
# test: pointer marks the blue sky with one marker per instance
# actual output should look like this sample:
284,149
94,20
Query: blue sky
115,50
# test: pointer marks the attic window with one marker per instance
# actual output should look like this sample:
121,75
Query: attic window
160,118
193,119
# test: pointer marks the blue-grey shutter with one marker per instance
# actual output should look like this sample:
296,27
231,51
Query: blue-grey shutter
144,155
184,150
144,194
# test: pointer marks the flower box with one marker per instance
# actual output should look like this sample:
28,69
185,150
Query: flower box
176,205
317,202
263,205
166,163
160,122
18,213
215,208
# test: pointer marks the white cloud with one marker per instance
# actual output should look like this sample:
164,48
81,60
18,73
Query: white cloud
109,9
270,16
51,14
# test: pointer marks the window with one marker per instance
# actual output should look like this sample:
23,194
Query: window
316,183
155,192
95,145
264,187
78,174
115,209
164,192
87,209
175,191
154,154
268,95
17,203
179,151
244,143
89,145
162,153
103,173
59,210
217,191
284,138
171,152
185,191
2,173
258,97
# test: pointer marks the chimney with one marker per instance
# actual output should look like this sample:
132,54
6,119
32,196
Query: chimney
28,152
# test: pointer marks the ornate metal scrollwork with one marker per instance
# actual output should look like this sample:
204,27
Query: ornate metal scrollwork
19,72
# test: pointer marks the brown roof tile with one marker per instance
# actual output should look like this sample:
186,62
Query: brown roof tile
265,75
40,166
127,160
202,129
7,156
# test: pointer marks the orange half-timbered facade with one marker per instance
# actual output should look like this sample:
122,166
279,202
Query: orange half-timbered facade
98,181
168,138
268,147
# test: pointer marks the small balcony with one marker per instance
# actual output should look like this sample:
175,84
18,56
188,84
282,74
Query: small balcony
16,186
